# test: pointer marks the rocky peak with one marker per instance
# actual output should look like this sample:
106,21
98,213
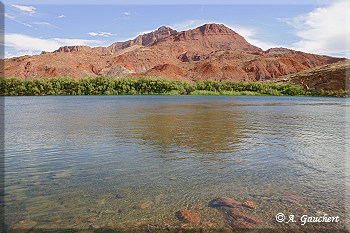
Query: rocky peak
67,49
211,37
147,39
207,52
276,51
215,29
160,33
164,28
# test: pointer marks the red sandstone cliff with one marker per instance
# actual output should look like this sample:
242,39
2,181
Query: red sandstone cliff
211,51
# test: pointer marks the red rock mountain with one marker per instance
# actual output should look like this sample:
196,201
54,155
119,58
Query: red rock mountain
211,51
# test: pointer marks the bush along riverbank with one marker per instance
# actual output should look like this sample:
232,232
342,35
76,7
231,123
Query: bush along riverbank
150,86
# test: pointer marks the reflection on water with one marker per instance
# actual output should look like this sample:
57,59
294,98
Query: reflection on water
131,162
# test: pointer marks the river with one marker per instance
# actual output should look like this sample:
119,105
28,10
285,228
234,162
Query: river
131,162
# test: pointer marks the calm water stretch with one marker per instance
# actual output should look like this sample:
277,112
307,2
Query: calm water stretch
132,162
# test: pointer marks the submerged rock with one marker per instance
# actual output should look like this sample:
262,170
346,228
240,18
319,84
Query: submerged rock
101,202
292,198
301,210
170,177
109,211
93,227
89,220
196,207
120,211
25,224
188,216
225,201
77,221
143,205
146,204
237,215
249,204
230,209
120,195
90,210
240,223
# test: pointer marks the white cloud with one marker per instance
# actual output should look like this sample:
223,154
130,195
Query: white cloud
20,42
250,35
27,9
127,13
44,23
189,24
25,24
136,35
247,32
325,30
93,33
18,53
61,16
105,34
11,17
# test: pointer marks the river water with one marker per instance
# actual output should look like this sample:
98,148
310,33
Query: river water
131,162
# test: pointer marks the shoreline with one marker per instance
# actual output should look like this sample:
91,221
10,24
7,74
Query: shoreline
153,86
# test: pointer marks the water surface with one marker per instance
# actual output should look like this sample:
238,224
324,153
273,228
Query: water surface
131,162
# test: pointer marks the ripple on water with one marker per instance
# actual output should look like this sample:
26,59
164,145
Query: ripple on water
133,162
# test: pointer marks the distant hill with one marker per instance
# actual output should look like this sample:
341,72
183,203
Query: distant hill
211,51
332,77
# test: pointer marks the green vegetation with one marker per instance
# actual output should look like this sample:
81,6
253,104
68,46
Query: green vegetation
148,86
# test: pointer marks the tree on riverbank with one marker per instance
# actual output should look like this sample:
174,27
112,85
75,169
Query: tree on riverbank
149,86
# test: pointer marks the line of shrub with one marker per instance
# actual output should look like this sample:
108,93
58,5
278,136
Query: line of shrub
148,86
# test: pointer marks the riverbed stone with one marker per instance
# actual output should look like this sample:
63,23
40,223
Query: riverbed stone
196,207
240,223
101,201
121,195
236,214
230,208
121,210
91,220
188,216
109,212
301,210
90,210
143,205
25,224
225,201
249,204
170,177
292,198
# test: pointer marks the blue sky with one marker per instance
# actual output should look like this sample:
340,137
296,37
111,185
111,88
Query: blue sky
320,27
